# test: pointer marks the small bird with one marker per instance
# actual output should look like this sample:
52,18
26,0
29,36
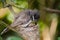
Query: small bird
24,18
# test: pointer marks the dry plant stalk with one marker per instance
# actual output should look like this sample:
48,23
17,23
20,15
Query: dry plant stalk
53,27
46,34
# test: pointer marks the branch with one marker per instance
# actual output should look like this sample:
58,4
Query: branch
52,10
46,9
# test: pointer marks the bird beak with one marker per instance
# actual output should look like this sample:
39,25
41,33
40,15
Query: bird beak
33,18
26,25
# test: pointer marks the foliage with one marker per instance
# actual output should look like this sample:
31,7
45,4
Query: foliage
10,35
0,38
8,18
19,5
2,26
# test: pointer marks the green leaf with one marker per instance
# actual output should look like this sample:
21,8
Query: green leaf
13,38
0,38
22,4
42,25
58,38
9,18
2,26
10,35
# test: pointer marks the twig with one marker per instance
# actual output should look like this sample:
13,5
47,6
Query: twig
52,10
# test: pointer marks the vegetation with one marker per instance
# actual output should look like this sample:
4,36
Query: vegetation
49,22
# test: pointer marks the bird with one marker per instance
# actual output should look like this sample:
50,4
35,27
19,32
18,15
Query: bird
24,18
